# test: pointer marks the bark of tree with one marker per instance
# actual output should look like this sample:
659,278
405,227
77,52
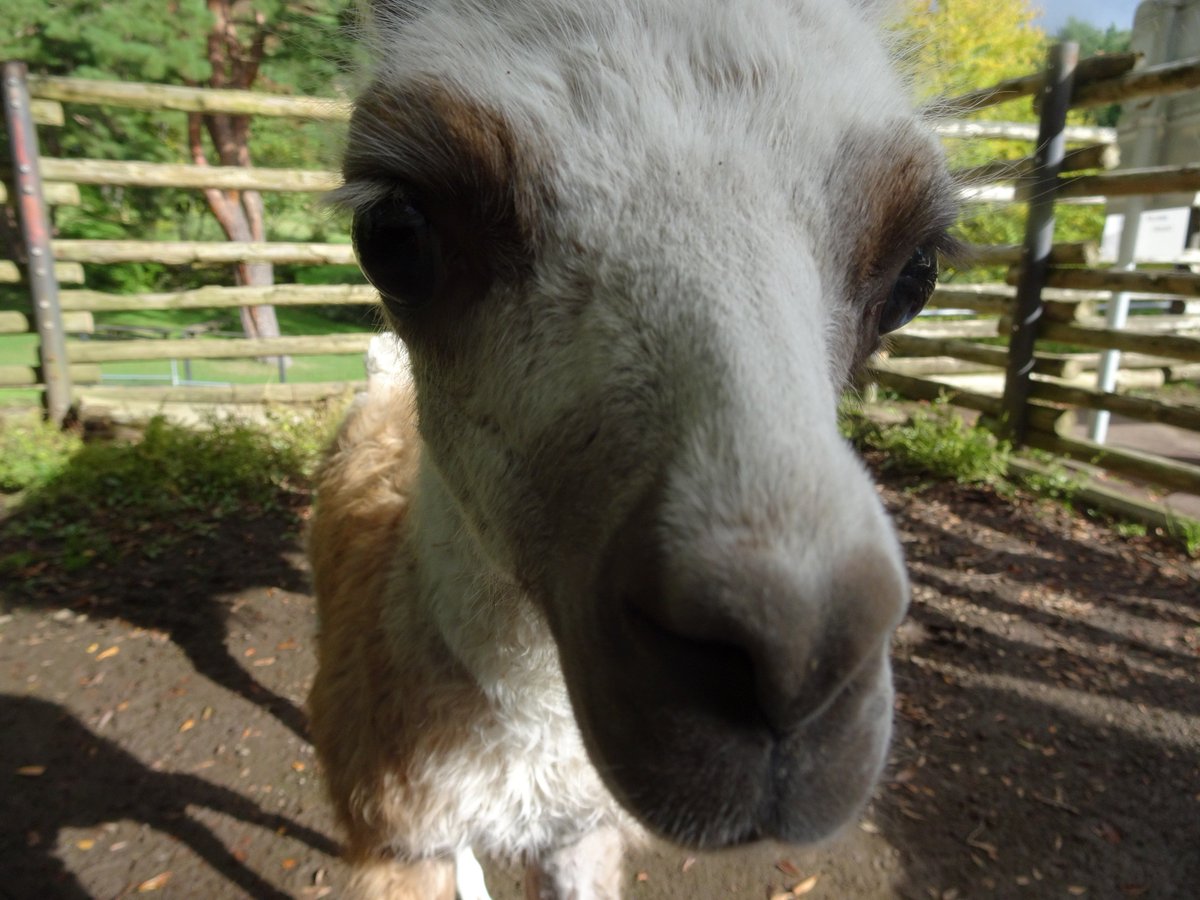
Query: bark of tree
240,213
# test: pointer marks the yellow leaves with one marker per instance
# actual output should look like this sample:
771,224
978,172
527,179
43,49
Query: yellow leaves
799,890
158,882
957,47
105,654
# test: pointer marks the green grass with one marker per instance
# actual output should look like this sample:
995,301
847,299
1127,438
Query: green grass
21,350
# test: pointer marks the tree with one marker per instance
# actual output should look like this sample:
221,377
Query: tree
956,46
1095,42
286,45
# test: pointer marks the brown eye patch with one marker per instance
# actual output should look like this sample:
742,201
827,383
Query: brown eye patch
461,165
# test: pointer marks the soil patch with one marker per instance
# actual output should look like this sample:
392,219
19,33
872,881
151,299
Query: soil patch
1048,723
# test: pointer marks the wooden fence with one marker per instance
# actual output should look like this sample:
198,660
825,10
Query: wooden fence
1031,390
63,311
1051,293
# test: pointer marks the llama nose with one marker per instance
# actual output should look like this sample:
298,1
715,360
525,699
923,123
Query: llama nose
760,639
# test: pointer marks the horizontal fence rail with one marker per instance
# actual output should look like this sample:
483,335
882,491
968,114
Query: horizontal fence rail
955,350
187,252
142,95
179,175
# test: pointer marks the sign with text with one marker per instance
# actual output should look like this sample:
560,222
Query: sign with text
1162,235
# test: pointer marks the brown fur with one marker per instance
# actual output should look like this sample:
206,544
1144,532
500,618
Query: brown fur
370,714
431,879
462,164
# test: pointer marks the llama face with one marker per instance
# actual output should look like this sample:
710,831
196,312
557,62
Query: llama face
634,249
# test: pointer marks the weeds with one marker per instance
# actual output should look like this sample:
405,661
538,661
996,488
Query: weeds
32,452
122,501
934,442
1186,531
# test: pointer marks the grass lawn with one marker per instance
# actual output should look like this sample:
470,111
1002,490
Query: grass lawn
21,350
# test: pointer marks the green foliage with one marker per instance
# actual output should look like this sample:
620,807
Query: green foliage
1187,531
935,442
98,501
1052,479
1132,529
953,48
1093,41
307,51
956,47
32,452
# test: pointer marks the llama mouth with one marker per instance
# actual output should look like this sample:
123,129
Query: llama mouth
716,774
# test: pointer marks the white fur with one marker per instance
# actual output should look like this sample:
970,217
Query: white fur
666,376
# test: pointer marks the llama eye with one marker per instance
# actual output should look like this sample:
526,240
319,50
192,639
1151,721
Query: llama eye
911,291
399,253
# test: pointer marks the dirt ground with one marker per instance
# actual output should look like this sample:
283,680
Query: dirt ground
1048,724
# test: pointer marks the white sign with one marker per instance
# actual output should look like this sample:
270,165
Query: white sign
1161,238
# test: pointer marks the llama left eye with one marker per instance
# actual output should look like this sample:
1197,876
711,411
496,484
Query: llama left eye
400,254
911,291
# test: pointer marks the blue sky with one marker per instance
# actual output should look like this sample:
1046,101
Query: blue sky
1099,12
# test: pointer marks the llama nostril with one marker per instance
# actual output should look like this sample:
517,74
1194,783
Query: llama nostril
752,642
716,675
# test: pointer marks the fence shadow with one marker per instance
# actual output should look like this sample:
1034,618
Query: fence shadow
177,575
88,781
1043,748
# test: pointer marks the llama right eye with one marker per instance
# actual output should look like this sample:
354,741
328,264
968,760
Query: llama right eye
399,252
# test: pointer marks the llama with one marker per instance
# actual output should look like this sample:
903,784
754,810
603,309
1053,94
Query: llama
591,556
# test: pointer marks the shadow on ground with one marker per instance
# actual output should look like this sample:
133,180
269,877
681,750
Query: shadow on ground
161,658
1049,725
82,781
180,576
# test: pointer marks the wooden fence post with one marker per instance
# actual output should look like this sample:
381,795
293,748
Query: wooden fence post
1039,234
35,231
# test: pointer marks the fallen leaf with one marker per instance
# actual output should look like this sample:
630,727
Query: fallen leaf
298,766
153,884
289,863
687,864
289,644
31,771
1076,890
265,661
643,876
85,844
787,867
92,648
805,886
111,651
206,713
188,725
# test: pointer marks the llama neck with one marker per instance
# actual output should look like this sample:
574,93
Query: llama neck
488,622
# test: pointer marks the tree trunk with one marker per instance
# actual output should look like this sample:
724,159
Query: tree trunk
240,213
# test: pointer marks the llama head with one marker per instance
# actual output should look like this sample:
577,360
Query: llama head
635,248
